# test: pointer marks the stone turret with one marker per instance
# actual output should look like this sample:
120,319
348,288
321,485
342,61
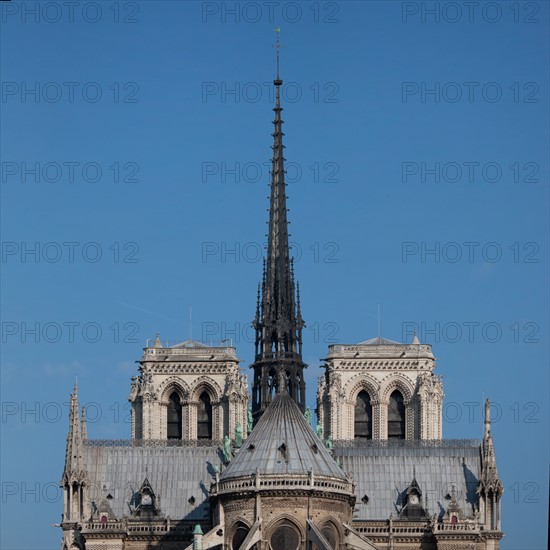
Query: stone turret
490,487
75,475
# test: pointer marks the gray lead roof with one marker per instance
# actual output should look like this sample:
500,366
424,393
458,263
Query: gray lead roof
381,473
175,473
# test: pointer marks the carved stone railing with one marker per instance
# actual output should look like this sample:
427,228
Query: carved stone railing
283,482
130,526
153,443
339,350
451,527
110,526
406,443
397,527
207,350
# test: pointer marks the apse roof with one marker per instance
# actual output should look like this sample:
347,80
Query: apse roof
283,443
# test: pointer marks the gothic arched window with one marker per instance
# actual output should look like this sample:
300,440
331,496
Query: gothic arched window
331,535
241,531
285,537
174,423
363,416
396,416
204,417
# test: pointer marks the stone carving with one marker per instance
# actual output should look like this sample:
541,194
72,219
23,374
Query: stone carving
227,449
147,389
134,390
319,430
238,435
249,420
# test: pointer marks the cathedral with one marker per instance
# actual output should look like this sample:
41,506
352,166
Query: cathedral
209,465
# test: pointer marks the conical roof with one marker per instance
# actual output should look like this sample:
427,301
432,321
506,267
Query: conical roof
283,443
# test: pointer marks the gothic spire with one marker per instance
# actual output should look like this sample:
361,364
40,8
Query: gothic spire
489,475
74,461
489,487
278,321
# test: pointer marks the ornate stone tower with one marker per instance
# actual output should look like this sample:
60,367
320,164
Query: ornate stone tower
380,389
75,479
189,391
490,487
278,323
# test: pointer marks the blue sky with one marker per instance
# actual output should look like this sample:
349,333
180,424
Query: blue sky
417,149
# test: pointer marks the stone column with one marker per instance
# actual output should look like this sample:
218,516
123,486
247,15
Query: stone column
163,421
192,408
376,419
185,419
218,420
409,419
65,503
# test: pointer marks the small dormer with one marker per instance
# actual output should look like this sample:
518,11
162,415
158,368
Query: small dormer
454,512
103,511
413,509
147,506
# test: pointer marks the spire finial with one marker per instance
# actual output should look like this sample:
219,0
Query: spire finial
278,80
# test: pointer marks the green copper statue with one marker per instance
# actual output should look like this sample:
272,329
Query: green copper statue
249,420
227,449
307,416
328,443
319,430
238,435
